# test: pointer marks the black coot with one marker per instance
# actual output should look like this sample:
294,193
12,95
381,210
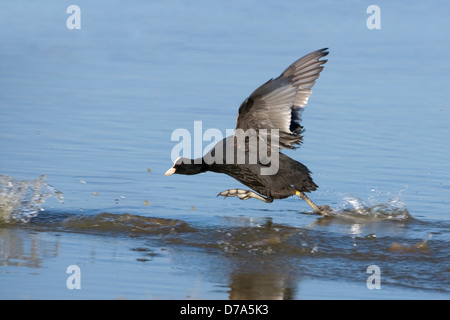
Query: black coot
270,118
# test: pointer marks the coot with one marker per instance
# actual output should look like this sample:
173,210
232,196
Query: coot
270,118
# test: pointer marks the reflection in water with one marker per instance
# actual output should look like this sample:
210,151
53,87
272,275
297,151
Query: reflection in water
20,248
259,267
262,286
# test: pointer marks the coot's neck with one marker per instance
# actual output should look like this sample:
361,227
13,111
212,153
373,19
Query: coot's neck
199,165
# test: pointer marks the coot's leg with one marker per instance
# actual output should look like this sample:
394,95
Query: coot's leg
244,195
312,204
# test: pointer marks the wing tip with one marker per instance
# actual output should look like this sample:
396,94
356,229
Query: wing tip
322,53
312,58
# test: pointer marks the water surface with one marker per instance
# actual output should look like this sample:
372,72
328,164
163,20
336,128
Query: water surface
93,110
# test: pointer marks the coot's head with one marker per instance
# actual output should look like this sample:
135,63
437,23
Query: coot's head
185,166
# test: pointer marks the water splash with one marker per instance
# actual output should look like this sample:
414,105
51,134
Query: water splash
392,209
21,200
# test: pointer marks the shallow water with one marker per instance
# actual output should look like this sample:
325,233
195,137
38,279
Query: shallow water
93,110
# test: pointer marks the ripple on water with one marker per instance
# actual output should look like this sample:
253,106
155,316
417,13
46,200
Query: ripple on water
124,223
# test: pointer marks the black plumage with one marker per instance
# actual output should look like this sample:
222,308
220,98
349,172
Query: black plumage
270,117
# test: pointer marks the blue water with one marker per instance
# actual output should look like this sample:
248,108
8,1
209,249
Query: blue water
93,109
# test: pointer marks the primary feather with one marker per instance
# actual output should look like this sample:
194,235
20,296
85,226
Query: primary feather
278,103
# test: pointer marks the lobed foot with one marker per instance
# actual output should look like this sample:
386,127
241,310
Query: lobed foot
325,210
243,195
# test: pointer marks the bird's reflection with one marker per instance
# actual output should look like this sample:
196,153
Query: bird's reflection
259,266
261,286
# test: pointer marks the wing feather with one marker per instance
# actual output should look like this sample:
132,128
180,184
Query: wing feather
278,103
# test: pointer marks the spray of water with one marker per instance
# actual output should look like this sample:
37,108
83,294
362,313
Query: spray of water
21,200
391,209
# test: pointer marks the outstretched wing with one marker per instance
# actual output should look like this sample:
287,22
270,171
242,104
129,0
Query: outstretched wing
278,103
